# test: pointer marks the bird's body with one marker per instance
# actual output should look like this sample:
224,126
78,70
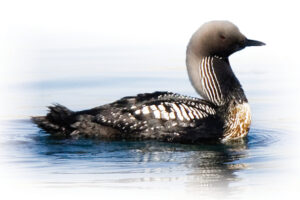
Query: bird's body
162,116
222,114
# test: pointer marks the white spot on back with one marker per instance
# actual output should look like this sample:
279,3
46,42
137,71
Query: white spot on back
145,110
137,112
153,107
174,124
172,115
156,114
165,115
195,113
184,113
178,112
190,112
133,107
161,107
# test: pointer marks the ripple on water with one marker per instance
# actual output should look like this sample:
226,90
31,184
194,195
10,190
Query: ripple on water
132,162
262,137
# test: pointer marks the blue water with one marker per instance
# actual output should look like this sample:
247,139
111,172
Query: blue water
127,164
34,156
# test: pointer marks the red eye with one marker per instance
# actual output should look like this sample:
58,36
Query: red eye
222,37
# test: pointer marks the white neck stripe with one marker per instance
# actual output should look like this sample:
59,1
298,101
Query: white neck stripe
209,80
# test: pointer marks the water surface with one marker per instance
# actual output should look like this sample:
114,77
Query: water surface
228,170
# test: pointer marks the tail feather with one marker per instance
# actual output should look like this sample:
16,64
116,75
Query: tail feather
59,114
57,121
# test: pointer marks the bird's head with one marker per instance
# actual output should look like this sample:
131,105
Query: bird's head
219,38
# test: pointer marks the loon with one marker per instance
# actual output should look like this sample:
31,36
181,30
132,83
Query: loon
223,114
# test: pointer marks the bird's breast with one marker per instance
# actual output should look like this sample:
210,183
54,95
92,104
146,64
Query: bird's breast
237,122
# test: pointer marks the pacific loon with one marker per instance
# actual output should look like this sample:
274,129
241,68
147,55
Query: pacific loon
223,113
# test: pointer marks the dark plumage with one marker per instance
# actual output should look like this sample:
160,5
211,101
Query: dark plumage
223,114
120,119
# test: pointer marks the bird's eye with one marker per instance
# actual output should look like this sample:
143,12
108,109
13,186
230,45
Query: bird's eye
222,37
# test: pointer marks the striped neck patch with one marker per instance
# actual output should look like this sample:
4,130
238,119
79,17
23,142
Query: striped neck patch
209,80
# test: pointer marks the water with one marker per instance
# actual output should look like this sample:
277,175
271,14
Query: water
267,158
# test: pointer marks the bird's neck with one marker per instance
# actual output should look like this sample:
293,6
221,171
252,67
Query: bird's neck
214,80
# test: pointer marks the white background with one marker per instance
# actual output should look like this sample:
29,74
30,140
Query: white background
27,26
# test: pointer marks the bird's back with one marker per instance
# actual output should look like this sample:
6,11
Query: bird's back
162,116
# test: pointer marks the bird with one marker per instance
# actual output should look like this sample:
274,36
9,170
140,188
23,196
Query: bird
222,114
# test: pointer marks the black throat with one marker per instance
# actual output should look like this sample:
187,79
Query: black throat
230,85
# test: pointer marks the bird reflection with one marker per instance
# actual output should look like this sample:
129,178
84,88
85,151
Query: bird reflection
144,164
201,168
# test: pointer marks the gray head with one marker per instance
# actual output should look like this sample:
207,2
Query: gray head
220,38
207,61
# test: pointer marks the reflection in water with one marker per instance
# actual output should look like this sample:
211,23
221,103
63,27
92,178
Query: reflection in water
124,164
